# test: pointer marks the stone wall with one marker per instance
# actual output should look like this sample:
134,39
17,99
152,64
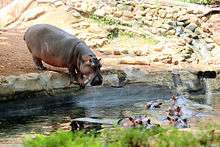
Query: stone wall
49,83
182,26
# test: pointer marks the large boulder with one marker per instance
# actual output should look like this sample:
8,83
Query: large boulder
13,11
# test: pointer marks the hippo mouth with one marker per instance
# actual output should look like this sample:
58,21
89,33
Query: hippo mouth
97,80
94,79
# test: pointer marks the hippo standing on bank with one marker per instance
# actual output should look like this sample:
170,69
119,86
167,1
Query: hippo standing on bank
58,48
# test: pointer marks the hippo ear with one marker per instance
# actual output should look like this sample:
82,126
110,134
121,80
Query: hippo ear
86,58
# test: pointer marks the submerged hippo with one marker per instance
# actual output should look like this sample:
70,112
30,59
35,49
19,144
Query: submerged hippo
58,48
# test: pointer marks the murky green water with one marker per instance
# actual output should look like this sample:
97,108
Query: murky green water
45,115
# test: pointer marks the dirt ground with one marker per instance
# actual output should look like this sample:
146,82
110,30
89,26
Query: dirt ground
15,58
14,55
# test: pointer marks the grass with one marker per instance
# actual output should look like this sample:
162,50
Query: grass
205,2
119,137
104,20
108,21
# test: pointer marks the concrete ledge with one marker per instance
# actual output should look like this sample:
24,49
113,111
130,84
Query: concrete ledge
52,83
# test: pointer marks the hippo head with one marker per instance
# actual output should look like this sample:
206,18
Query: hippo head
90,68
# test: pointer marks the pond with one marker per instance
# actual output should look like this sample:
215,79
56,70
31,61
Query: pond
45,115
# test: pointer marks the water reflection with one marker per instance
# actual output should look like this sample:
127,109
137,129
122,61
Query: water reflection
44,115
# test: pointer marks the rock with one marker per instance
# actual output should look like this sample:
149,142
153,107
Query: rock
100,12
167,59
35,82
43,1
13,11
162,31
81,25
138,14
117,52
194,85
33,13
157,24
118,13
181,42
124,51
94,43
179,30
162,13
169,15
195,11
105,52
176,16
216,37
148,23
166,26
134,62
172,23
150,13
189,11
187,39
209,40
153,30
176,62
138,53
158,48
205,28
179,23
85,7
186,56
170,32
191,26
156,59
198,31
111,80
191,34
76,14
57,3
210,46
95,29
128,14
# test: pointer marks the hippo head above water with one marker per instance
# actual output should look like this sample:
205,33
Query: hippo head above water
90,68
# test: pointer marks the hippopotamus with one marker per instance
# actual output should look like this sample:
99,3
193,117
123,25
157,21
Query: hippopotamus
58,48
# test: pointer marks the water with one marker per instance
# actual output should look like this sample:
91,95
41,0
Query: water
45,115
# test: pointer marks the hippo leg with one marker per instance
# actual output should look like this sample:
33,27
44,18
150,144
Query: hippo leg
39,64
72,71
80,80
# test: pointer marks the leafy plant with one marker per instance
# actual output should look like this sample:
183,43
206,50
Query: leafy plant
206,2
120,137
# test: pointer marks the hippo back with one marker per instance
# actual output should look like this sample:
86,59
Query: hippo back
53,45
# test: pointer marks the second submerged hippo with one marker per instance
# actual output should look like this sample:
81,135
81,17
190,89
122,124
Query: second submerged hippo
58,48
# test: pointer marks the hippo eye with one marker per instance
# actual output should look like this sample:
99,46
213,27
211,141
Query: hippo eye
92,64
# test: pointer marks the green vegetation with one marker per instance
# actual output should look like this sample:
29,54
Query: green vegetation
206,2
104,20
119,137
117,28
